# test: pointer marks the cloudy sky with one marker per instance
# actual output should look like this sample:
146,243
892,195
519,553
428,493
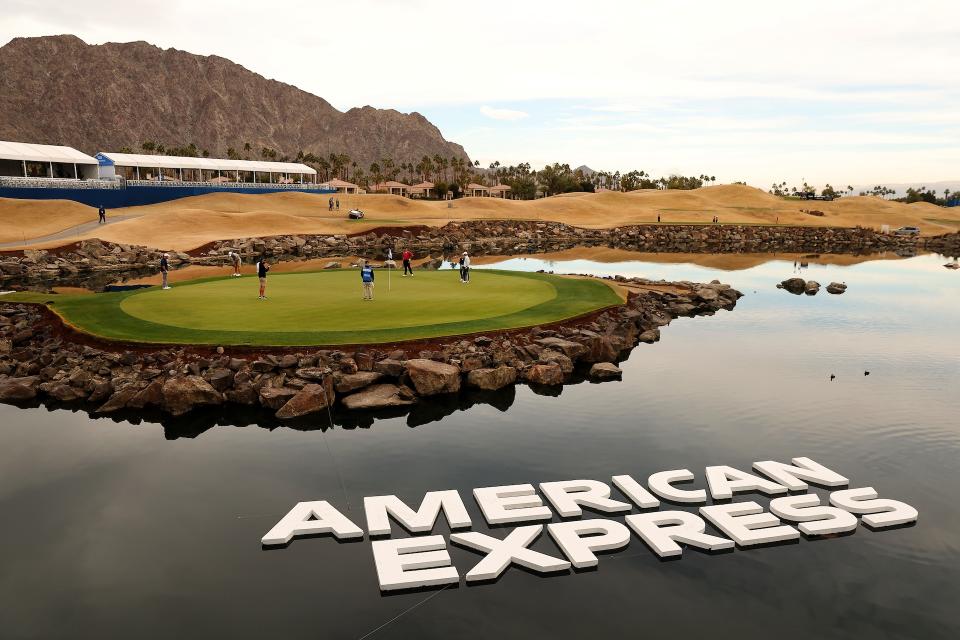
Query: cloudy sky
844,91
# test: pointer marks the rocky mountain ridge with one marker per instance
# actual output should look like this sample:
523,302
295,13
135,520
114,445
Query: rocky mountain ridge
61,90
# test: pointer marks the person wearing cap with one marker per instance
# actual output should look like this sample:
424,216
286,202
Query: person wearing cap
235,259
164,269
465,268
407,256
262,269
366,279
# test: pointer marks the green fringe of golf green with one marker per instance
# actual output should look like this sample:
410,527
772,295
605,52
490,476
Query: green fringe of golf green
326,308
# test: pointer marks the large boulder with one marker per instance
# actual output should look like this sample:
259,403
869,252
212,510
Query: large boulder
795,286
836,288
350,382
275,397
119,399
310,399
390,367
545,374
600,349
380,396
492,379
18,389
572,350
180,395
812,287
605,371
430,378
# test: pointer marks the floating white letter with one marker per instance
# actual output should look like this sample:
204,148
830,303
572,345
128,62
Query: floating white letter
882,513
413,562
662,530
511,503
635,491
311,518
579,539
793,476
660,484
748,524
815,519
500,553
566,497
379,508
724,481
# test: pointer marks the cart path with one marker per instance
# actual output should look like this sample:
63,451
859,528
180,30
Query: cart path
70,233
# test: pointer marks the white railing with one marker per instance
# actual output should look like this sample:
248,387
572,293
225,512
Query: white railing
58,183
228,185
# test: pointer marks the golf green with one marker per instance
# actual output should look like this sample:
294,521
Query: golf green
326,308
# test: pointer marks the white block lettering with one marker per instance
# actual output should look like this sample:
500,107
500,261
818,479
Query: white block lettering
579,539
724,481
881,513
662,530
748,524
815,519
793,476
413,562
380,508
567,496
501,553
662,484
311,518
511,503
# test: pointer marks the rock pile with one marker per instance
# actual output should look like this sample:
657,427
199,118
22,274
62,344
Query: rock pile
39,361
76,263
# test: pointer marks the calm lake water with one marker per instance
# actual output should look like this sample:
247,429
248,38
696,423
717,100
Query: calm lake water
111,529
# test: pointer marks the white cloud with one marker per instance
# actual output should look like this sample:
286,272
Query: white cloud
733,89
503,114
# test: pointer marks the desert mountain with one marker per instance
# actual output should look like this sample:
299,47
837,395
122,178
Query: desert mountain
60,90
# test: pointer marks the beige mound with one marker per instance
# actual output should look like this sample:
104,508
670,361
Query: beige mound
190,222
35,218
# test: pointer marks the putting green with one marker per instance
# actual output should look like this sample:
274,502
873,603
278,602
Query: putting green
326,308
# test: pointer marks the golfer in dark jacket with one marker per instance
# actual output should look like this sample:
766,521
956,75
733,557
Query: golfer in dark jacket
103,215
164,269
262,269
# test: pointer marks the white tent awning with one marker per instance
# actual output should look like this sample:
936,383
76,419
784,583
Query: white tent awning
43,153
211,164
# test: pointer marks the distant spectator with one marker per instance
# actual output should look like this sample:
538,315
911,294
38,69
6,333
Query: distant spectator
164,269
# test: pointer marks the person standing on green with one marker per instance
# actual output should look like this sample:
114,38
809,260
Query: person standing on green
366,279
164,269
262,269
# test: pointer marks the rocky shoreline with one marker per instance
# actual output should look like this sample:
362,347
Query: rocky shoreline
94,263
42,361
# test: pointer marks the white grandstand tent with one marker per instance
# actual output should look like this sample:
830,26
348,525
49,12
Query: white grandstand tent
136,166
26,160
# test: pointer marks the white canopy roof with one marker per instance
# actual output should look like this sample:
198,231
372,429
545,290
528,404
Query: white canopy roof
43,153
213,164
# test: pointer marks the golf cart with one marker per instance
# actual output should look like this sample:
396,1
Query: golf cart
355,214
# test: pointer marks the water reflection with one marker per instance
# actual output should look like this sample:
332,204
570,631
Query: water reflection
110,528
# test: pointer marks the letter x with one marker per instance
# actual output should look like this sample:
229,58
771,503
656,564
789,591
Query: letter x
501,553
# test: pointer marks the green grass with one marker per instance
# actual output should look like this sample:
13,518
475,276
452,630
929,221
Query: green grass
325,308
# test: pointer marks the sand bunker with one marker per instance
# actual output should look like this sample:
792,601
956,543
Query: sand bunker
190,222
